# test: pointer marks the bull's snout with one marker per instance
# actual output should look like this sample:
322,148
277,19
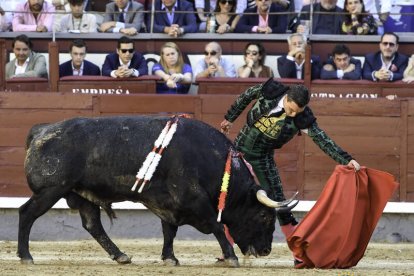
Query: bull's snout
266,252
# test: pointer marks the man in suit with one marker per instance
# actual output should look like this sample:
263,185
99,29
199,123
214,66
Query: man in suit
123,16
78,66
78,21
258,19
125,62
327,18
341,65
167,21
292,65
386,64
26,62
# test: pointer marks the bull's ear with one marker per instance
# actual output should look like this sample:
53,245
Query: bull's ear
253,191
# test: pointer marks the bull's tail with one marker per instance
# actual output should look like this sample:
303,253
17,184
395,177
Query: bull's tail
109,211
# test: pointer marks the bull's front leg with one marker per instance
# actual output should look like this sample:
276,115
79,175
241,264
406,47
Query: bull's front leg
230,257
169,232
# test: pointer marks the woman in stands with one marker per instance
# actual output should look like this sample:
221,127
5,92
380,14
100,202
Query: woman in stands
226,17
176,74
357,21
254,58
409,71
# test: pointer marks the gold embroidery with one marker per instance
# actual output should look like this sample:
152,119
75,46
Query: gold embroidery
270,126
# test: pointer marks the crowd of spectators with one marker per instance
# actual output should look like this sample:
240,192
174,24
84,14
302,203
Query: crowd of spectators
178,17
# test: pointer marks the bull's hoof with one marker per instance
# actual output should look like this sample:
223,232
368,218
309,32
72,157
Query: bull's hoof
27,261
123,259
171,262
227,262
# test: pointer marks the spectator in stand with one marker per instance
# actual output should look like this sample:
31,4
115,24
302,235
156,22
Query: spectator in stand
409,71
258,19
341,65
26,62
206,7
357,21
123,16
33,16
125,62
327,18
226,19
168,21
386,64
402,18
5,21
78,65
95,6
78,21
213,64
172,69
371,7
254,58
61,7
292,65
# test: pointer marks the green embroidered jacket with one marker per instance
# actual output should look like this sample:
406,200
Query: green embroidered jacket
263,106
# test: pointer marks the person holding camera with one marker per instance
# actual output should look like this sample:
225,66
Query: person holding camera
213,64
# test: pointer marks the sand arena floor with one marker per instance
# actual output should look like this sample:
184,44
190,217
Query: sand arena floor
196,258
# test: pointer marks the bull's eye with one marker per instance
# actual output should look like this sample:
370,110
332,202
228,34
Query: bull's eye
263,216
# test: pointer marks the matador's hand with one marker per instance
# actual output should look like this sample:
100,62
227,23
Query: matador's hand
225,126
354,164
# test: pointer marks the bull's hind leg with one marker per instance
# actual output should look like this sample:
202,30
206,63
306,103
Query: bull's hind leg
169,231
91,221
36,206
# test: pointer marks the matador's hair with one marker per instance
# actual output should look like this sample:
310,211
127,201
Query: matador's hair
299,94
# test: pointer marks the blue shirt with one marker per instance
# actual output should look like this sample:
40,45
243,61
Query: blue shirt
181,88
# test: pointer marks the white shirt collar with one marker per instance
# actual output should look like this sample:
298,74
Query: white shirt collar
121,63
163,7
80,69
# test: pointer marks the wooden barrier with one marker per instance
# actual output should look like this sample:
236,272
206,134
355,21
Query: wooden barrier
360,89
27,84
232,85
107,85
379,133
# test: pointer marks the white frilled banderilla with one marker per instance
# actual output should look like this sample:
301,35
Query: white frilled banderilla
153,158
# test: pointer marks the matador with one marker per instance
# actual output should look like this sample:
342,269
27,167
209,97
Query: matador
278,114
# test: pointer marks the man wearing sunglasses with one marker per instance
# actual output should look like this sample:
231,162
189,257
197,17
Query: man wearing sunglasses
261,19
125,62
386,64
213,64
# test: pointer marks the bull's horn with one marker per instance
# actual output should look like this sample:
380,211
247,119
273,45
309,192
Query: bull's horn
262,197
287,208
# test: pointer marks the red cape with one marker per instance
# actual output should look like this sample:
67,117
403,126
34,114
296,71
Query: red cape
336,231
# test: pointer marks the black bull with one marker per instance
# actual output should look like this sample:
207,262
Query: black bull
93,163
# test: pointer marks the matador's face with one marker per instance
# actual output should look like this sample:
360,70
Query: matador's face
291,108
